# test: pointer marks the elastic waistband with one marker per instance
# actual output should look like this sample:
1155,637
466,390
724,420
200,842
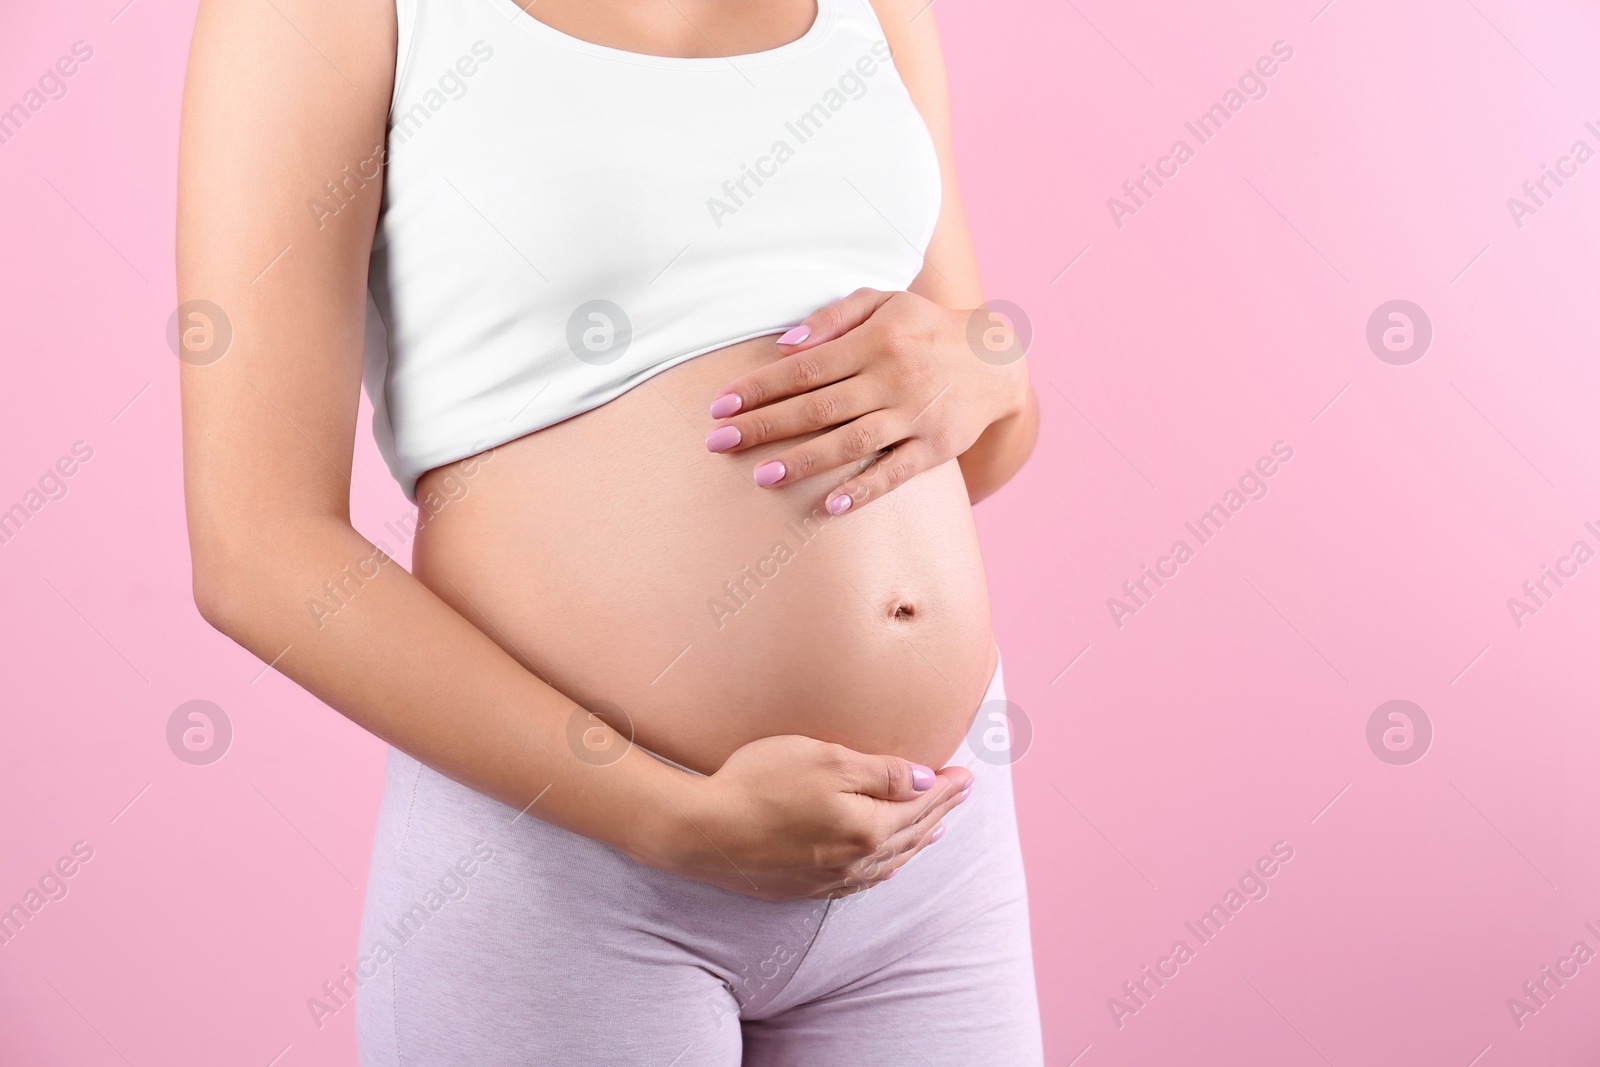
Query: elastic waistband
996,691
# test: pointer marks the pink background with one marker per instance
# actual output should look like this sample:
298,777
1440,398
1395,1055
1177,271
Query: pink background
1227,314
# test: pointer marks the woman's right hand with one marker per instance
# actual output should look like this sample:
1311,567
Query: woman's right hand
790,816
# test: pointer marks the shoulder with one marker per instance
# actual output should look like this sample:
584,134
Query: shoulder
354,39
913,37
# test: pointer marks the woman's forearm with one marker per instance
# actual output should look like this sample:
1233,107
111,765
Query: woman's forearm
386,652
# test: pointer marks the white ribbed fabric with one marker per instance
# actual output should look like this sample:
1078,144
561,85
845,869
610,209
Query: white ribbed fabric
562,220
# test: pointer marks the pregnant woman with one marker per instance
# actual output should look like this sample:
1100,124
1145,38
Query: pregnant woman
672,329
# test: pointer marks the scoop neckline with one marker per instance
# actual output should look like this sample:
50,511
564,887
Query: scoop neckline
805,42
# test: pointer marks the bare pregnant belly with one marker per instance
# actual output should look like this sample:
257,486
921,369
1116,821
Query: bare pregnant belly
634,570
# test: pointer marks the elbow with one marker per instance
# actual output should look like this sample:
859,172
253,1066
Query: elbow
247,558
239,571
218,580
214,598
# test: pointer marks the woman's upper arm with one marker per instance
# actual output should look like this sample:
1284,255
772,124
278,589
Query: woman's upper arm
950,274
281,97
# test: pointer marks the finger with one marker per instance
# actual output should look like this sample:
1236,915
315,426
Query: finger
924,830
834,320
785,378
885,869
904,827
886,473
865,875
821,409
887,777
854,441
898,849
793,376
902,824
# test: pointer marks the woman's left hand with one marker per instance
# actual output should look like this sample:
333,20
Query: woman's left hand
877,371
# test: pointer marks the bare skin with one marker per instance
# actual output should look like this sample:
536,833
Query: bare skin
711,611
281,96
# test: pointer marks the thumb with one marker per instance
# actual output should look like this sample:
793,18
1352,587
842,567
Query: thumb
834,320
888,777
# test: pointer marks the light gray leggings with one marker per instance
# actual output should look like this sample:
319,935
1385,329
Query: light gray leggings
492,939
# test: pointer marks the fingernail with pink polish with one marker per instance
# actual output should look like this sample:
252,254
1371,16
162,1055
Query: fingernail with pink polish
770,473
921,777
840,504
966,790
938,832
795,336
722,438
891,874
723,406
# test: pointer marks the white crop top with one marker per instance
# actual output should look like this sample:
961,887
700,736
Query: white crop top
561,220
